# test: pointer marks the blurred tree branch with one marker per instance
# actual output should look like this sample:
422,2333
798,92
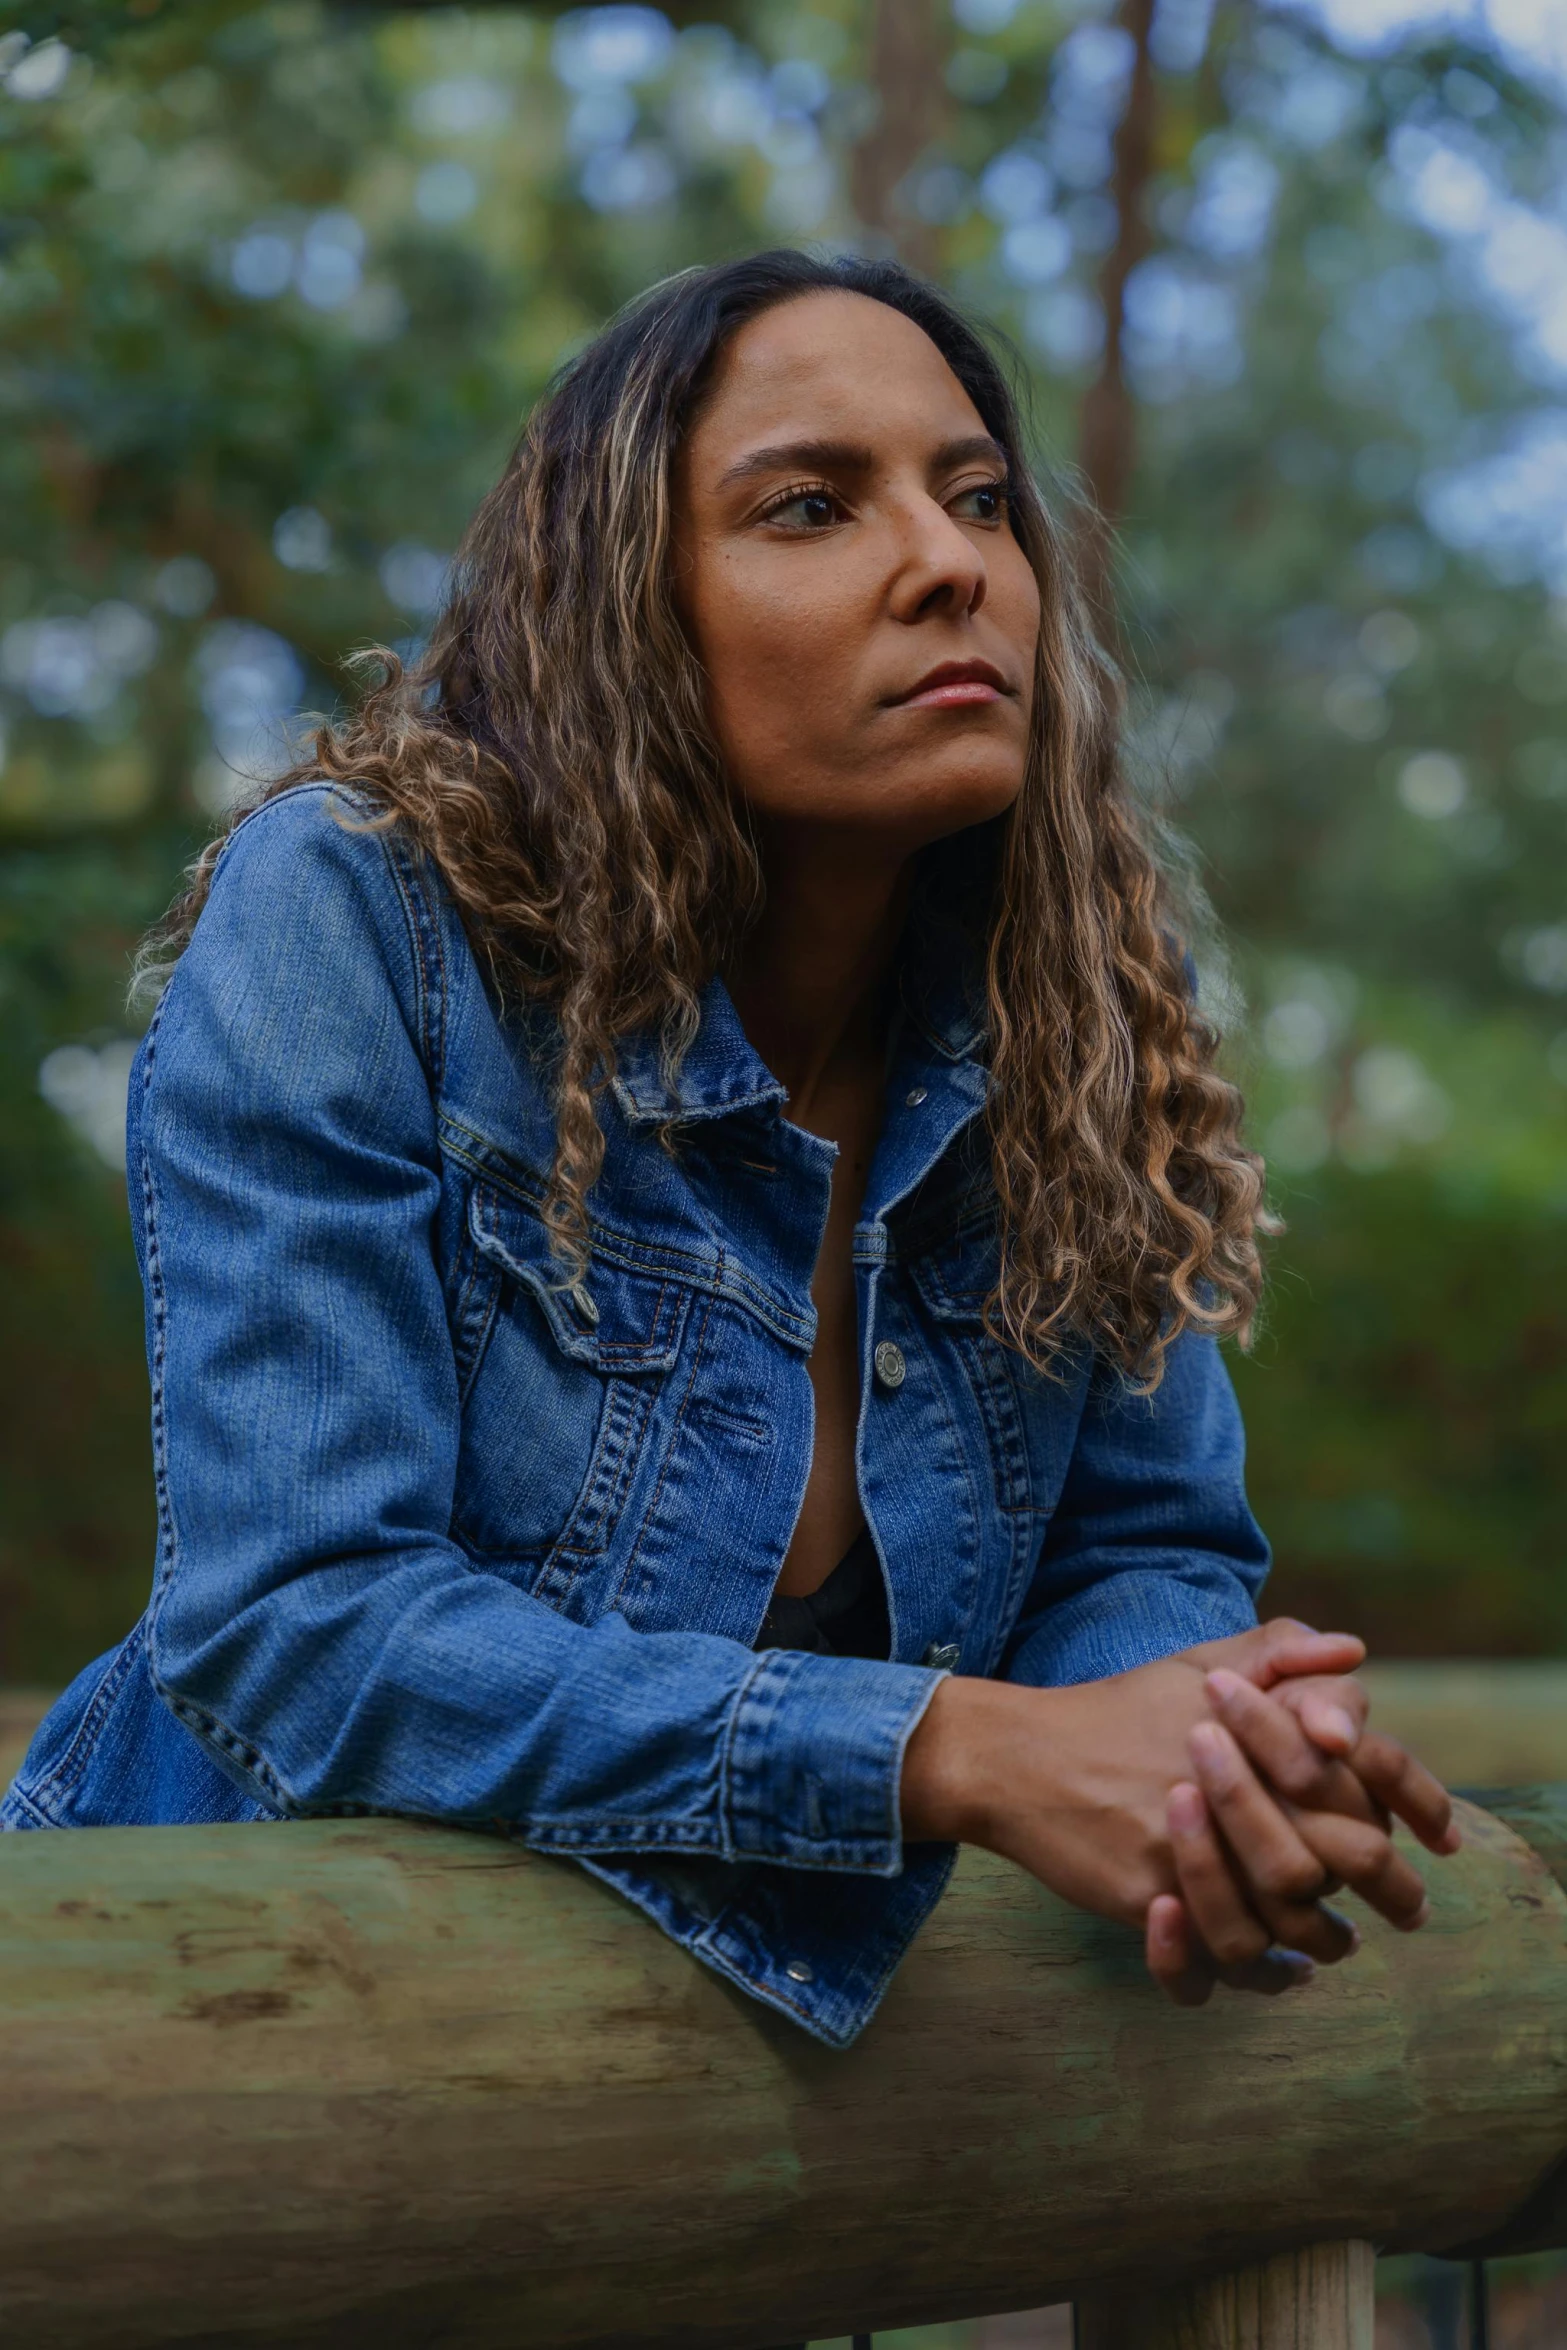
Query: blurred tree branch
907,52
89,23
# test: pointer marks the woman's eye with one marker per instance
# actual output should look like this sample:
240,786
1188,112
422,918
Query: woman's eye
806,510
985,502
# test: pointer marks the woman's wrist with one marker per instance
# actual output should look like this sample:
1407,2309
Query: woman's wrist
954,1765
929,1792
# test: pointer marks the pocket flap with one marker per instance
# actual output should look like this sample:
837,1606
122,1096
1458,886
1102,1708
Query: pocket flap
960,1272
616,1320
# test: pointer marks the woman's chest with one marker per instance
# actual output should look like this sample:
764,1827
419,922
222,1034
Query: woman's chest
831,1514
643,1440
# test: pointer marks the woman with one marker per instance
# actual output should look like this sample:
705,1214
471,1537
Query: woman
686,1211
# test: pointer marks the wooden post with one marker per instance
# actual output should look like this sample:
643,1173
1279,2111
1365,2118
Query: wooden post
1322,2298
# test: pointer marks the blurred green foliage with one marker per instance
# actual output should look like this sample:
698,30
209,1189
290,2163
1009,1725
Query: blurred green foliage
277,286
1406,1408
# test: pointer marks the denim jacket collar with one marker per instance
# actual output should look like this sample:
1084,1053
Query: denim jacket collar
942,993
722,1072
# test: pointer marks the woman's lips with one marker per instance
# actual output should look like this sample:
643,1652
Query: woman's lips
958,694
955,685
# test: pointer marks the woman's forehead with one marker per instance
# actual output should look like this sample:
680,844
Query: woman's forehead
832,361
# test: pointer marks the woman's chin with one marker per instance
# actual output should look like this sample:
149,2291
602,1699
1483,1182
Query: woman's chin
935,808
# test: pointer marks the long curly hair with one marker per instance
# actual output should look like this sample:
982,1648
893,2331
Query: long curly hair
551,753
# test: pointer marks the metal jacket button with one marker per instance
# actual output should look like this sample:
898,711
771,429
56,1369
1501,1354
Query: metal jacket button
890,1365
582,1298
942,1655
798,1972
915,1095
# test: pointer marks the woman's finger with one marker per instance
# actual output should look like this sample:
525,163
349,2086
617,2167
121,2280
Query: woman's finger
1330,1707
1404,1787
1219,1912
1277,1970
1187,1972
1183,1970
1368,1862
1332,1713
1286,1648
1280,1876
1275,1741
1278,1650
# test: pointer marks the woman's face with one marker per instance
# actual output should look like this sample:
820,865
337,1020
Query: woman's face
846,570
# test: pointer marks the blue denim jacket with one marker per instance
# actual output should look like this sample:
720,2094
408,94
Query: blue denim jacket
441,1536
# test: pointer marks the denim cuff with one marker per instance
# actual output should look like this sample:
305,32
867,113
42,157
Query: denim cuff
814,1760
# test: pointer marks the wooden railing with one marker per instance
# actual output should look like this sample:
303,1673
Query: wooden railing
371,2083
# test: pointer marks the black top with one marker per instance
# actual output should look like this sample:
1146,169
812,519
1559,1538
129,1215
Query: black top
845,1616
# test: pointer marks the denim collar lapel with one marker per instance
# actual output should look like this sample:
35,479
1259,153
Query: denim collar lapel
722,1072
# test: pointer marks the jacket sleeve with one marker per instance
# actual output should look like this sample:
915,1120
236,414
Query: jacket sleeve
1152,1546
314,1624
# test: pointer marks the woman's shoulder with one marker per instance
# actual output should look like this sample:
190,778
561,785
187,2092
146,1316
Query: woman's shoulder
321,869
299,836
328,946
320,915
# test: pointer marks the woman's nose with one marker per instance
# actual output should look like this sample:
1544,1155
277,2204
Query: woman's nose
940,567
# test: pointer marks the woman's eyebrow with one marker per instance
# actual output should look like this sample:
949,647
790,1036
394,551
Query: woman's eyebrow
851,457
969,451
797,457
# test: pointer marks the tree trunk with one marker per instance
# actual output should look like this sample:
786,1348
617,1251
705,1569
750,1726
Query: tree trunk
907,58
1107,431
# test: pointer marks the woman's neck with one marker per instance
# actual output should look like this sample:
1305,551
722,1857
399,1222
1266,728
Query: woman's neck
812,980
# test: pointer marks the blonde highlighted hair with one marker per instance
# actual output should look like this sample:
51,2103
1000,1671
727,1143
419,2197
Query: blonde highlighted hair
550,751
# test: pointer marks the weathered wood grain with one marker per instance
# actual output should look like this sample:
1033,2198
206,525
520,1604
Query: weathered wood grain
366,2082
1320,2298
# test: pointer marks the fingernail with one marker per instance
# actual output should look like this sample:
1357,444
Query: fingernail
1420,1917
1214,1755
1300,1966
1337,1719
1222,1684
1347,1924
1185,1810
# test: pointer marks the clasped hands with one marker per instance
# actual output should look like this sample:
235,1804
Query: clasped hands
1215,1800
1290,1797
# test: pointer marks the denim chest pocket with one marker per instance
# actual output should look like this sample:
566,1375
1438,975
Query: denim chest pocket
561,1392
956,1275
